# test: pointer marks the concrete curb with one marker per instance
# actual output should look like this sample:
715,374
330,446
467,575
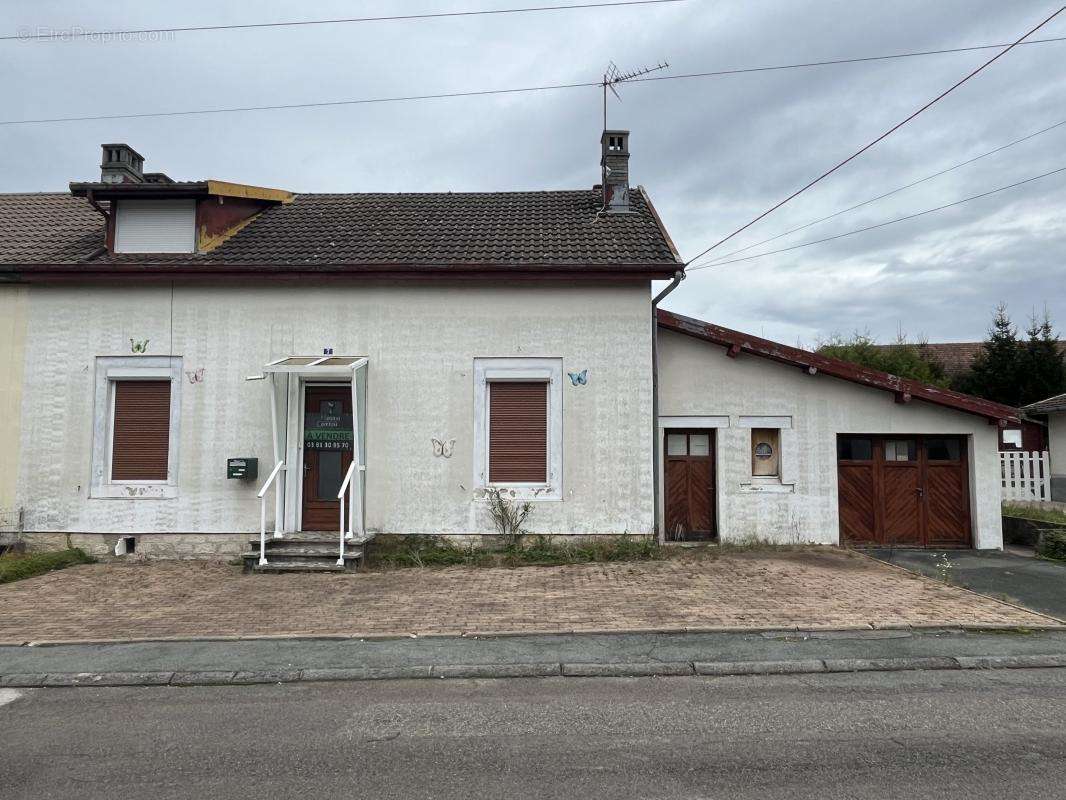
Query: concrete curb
39,680
506,634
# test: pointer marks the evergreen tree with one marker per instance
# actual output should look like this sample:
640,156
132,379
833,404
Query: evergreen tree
997,370
1043,371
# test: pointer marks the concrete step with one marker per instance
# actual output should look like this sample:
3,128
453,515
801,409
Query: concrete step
305,559
290,541
298,566
306,553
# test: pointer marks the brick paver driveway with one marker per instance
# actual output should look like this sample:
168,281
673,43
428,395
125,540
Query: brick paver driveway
809,589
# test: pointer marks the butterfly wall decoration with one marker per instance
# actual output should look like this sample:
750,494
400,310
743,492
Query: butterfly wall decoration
579,378
195,376
139,347
443,448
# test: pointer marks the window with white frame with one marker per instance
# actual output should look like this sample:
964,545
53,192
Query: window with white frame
766,451
518,426
135,427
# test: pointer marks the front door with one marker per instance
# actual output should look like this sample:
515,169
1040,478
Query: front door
327,448
688,483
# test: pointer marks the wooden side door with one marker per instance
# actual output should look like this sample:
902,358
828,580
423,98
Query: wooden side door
902,491
689,485
327,454
857,495
947,491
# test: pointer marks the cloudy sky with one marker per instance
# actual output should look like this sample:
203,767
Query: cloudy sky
713,152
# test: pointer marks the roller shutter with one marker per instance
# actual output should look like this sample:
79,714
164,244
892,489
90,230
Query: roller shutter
518,432
140,431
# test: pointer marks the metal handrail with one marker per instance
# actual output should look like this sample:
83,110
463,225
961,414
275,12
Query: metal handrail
263,511
345,487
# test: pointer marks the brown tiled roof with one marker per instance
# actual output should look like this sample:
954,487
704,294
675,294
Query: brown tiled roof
904,389
500,228
48,227
1056,403
957,357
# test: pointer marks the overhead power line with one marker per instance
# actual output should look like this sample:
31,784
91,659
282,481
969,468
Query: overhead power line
111,34
836,61
879,139
324,104
514,90
889,193
880,224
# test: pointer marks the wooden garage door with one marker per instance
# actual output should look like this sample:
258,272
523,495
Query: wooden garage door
903,491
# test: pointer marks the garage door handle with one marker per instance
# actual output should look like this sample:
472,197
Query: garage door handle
920,491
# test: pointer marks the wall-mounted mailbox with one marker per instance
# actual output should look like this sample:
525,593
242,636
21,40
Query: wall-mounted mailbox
246,469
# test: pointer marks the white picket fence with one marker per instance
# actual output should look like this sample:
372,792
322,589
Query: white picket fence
1025,476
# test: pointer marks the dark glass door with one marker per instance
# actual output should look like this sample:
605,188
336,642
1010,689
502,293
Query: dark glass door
327,447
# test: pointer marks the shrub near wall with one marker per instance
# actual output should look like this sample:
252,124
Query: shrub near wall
1052,544
18,567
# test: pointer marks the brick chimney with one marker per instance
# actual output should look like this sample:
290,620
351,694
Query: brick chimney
615,163
121,164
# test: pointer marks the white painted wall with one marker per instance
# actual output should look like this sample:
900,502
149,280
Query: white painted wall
697,379
421,341
1056,430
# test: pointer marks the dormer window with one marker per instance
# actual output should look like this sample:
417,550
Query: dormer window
155,226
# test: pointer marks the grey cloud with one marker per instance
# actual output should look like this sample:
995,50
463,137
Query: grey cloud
712,152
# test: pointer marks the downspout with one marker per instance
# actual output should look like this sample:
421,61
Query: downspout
96,205
678,277
107,224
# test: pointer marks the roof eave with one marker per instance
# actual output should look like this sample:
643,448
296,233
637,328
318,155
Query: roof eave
118,191
90,269
904,389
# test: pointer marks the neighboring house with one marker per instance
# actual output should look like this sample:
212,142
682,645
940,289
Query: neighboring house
186,341
12,344
1053,411
956,359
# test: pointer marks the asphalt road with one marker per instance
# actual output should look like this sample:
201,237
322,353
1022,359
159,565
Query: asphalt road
870,735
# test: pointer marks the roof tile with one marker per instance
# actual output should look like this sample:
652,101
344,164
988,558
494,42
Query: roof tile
550,227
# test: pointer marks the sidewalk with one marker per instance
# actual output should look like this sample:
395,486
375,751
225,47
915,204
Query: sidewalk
290,660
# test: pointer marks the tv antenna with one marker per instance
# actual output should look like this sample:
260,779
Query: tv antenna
614,76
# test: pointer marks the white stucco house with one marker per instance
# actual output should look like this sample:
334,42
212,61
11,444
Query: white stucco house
199,360
1053,411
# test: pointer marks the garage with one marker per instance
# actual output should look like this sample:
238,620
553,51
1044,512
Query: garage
903,491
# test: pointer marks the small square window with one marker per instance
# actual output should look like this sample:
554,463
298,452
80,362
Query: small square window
854,448
942,449
699,444
1012,438
901,450
676,444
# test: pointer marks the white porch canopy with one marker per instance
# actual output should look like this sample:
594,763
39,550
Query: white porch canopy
317,366
289,376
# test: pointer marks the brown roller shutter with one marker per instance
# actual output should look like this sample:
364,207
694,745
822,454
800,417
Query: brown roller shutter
518,432
141,438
